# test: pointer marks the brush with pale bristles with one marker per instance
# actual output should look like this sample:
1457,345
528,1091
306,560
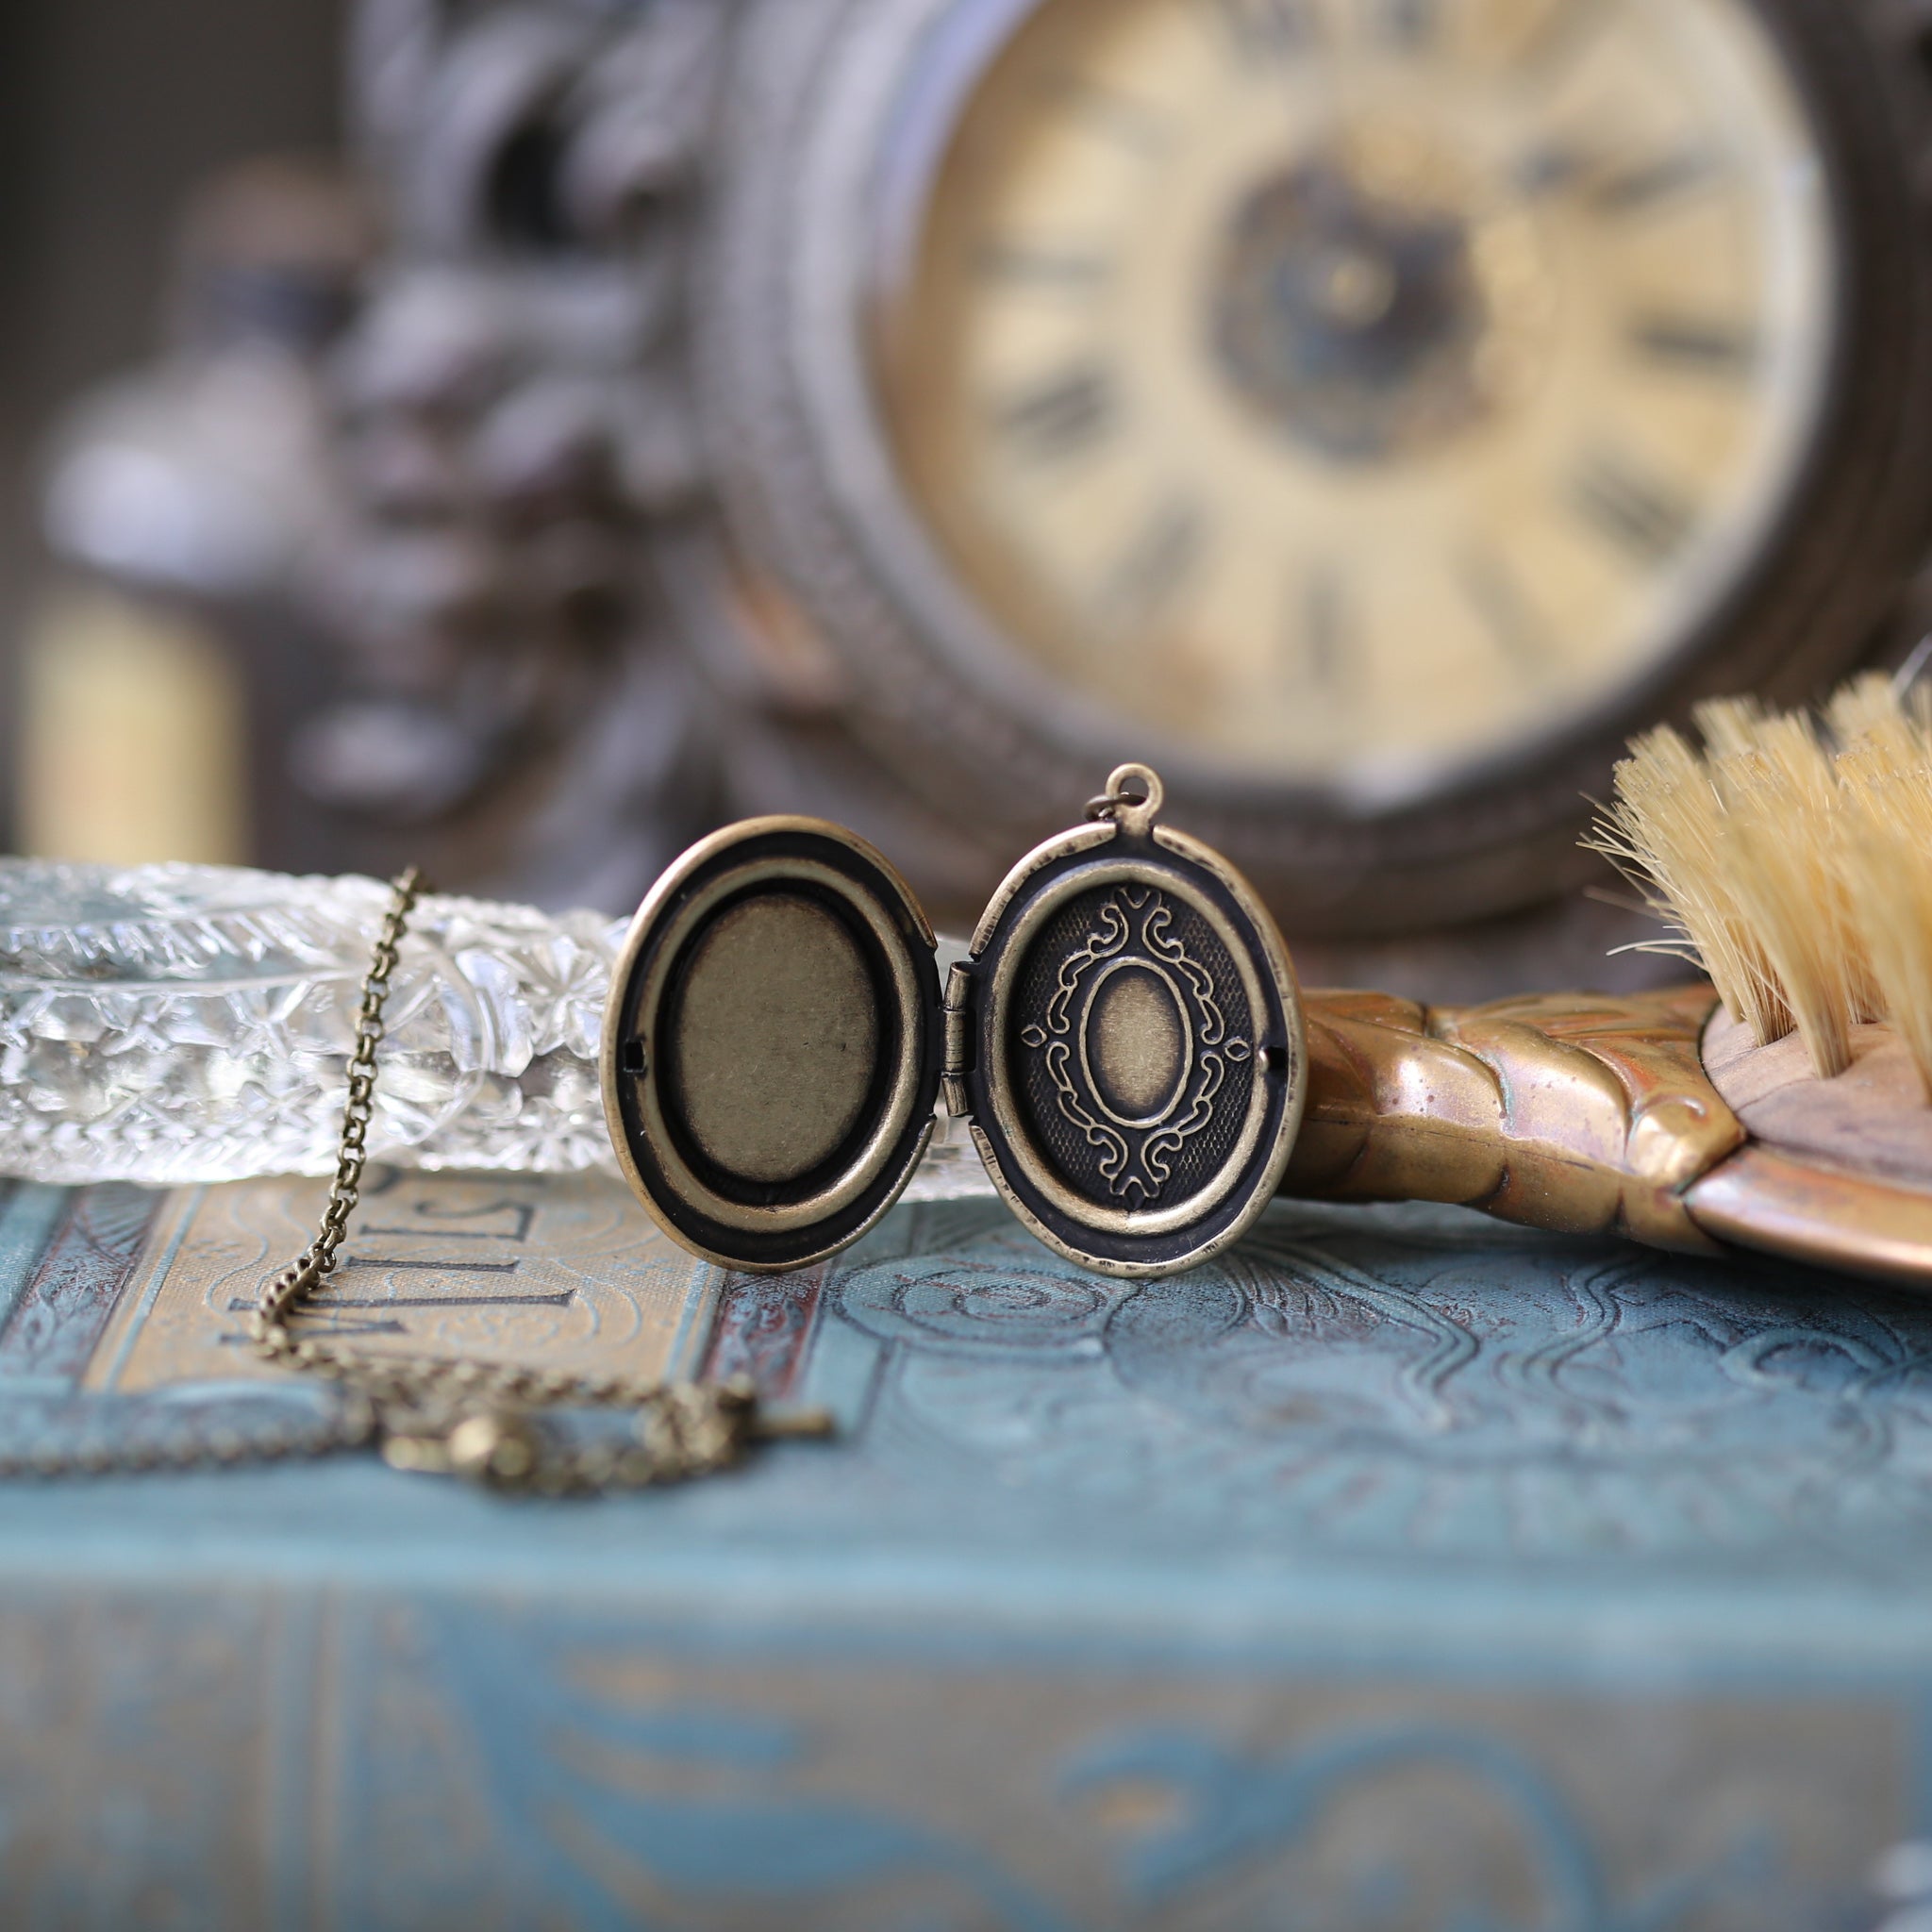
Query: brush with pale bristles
1791,859
1780,1107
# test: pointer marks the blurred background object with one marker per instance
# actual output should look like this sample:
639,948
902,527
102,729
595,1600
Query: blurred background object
111,118
510,424
180,502
1369,410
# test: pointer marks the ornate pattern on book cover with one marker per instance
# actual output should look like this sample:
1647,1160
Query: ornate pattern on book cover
1397,1570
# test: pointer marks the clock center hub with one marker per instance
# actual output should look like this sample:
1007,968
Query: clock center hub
1353,306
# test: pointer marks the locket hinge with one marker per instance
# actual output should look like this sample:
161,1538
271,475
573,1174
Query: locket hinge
959,1050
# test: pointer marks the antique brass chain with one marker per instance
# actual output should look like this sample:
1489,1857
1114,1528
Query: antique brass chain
477,1420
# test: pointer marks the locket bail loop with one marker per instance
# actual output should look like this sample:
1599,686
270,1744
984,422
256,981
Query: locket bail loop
1132,800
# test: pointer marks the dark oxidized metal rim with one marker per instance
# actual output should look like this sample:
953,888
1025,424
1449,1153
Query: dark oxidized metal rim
790,1225
1132,849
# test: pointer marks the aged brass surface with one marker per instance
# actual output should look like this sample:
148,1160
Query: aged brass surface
727,1198
771,1044
1831,1217
773,1039
1133,1053
1104,1175
1134,1046
1570,1112
1839,1172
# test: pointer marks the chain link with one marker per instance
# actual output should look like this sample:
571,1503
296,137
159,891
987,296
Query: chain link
477,1420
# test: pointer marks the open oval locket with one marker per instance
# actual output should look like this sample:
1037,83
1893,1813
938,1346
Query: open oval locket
1126,1040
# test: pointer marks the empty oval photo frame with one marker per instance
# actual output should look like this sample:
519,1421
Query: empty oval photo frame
771,1053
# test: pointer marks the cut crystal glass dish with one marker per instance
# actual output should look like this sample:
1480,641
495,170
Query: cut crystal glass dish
173,1024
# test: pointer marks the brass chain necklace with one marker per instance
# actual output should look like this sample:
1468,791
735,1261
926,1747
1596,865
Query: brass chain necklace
444,1416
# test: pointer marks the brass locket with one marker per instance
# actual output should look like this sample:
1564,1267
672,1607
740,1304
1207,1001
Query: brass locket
1126,1040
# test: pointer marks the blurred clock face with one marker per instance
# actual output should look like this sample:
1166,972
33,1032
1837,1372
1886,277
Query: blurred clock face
1353,393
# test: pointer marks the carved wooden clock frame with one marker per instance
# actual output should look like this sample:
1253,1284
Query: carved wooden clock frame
706,153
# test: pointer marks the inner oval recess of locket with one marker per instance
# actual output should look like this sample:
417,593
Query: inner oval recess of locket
775,1038
1137,1049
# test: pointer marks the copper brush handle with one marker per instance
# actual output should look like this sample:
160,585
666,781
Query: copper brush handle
1577,1113
1573,1114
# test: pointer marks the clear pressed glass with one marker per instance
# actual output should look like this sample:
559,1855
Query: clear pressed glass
171,1024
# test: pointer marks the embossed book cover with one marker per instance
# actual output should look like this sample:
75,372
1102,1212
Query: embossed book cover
1394,1569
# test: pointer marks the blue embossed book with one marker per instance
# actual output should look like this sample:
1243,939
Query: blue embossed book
1398,1571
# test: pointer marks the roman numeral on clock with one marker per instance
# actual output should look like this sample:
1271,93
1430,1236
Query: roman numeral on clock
1064,416
1321,630
1640,514
1641,186
1697,348
1042,267
1264,30
1499,603
1154,567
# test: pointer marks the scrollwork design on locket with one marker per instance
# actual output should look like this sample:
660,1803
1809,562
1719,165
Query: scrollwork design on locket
1176,1066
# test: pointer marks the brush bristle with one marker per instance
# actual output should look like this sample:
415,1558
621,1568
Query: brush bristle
1799,877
